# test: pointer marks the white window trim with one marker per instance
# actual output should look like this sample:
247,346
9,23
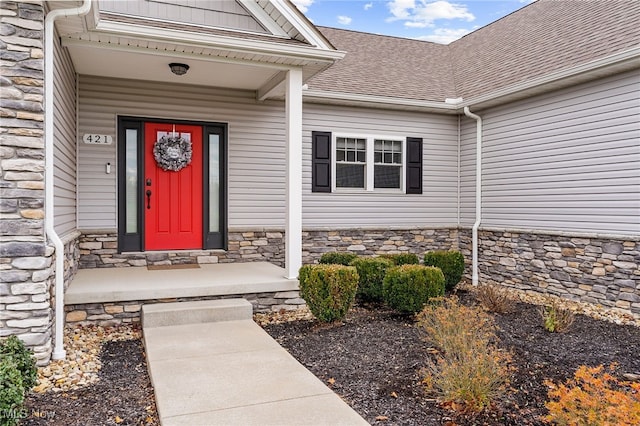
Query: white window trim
369,165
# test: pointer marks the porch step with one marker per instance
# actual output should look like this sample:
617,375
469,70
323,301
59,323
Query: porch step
182,313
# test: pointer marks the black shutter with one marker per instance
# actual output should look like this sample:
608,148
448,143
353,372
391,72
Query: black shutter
414,166
321,162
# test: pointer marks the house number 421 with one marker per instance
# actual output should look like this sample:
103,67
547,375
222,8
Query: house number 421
95,139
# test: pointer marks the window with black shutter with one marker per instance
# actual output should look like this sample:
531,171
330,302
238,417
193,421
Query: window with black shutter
321,162
414,166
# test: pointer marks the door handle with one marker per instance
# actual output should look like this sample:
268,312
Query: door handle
148,198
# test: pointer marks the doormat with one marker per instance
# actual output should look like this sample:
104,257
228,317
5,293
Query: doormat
176,266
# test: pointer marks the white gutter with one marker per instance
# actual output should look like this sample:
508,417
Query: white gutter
58,349
476,225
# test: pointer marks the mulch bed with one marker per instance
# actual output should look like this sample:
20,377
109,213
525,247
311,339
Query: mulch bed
122,396
373,359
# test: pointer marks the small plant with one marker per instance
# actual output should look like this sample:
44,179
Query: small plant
371,271
400,259
338,258
555,318
329,290
18,375
594,397
12,392
14,348
495,298
408,288
451,262
469,371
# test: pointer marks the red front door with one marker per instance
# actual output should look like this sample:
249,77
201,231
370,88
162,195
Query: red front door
172,198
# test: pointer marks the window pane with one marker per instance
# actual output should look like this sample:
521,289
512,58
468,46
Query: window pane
397,158
214,183
131,184
377,157
349,176
361,157
340,155
340,143
386,176
351,156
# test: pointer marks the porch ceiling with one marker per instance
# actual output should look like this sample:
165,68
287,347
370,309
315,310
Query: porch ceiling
153,65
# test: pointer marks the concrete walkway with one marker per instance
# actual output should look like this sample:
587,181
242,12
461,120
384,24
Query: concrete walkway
231,372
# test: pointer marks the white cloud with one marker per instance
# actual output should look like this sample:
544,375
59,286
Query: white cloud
368,6
303,5
423,13
344,20
445,35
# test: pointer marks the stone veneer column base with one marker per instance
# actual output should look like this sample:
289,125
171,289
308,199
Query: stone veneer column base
598,269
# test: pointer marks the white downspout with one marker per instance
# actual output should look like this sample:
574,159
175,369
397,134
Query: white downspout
58,349
476,224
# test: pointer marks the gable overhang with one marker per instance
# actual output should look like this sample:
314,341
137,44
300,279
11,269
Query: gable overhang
118,46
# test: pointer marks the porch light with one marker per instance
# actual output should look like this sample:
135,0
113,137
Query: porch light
179,69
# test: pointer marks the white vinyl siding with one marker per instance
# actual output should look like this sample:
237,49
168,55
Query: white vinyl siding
565,161
210,13
256,141
64,118
436,206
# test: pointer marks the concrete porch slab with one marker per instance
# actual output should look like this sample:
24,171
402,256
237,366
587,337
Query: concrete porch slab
138,283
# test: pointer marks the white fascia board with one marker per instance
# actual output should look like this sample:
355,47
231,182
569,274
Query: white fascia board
309,33
221,42
263,17
380,101
630,56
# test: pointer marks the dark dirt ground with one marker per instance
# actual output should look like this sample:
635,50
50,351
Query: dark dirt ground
123,396
376,352
372,360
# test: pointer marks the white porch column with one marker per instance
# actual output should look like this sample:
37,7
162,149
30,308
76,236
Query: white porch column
293,227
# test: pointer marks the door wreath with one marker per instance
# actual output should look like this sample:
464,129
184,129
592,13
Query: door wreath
172,153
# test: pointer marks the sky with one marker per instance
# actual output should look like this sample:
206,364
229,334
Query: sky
439,21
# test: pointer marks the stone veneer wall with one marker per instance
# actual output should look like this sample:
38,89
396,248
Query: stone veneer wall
99,249
109,314
25,257
596,269
368,242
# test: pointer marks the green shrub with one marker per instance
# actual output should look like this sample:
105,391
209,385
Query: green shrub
338,258
14,348
400,259
12,391
407,288
371,271
451,262
329,290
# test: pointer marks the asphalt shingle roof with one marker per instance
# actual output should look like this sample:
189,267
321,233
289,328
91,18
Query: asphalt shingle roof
543,37
386,66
